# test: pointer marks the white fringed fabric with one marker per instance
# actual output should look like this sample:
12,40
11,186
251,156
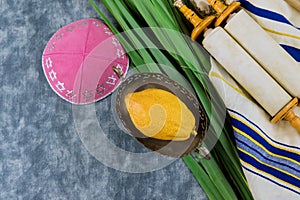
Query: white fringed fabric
270,153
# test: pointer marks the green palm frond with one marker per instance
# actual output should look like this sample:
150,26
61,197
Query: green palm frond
222,176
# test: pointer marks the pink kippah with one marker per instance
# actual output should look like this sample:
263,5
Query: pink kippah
83,61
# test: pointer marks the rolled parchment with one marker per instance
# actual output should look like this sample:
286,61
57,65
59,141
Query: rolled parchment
245,70
251,76
266,51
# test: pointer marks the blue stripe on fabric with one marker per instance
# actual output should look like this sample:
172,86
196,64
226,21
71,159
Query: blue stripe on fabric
282,176
256,151
263,142
294,52
271,180
265,13
274,141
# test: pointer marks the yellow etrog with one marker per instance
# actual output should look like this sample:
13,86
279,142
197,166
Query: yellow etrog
160,114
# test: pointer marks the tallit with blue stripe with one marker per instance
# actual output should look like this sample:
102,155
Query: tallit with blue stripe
269,153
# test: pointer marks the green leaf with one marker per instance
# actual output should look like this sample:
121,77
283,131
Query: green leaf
202,178
187,57
217,177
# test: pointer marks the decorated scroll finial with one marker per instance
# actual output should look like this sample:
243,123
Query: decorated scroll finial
223,11
198,23
178,3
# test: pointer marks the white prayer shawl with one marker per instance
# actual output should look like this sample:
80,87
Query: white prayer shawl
269,153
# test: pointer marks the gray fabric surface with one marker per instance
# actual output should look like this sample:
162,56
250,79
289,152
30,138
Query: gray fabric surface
41,154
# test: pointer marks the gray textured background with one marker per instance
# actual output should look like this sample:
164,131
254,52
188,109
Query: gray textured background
41,155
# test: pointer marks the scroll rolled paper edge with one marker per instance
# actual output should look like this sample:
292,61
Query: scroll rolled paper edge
288,114
283,112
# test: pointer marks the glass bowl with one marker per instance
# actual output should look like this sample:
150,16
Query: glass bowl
142,81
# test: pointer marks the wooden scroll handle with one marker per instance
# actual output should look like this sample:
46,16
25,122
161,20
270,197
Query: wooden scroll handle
198,23
293,119
294,3
223,10
288,114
